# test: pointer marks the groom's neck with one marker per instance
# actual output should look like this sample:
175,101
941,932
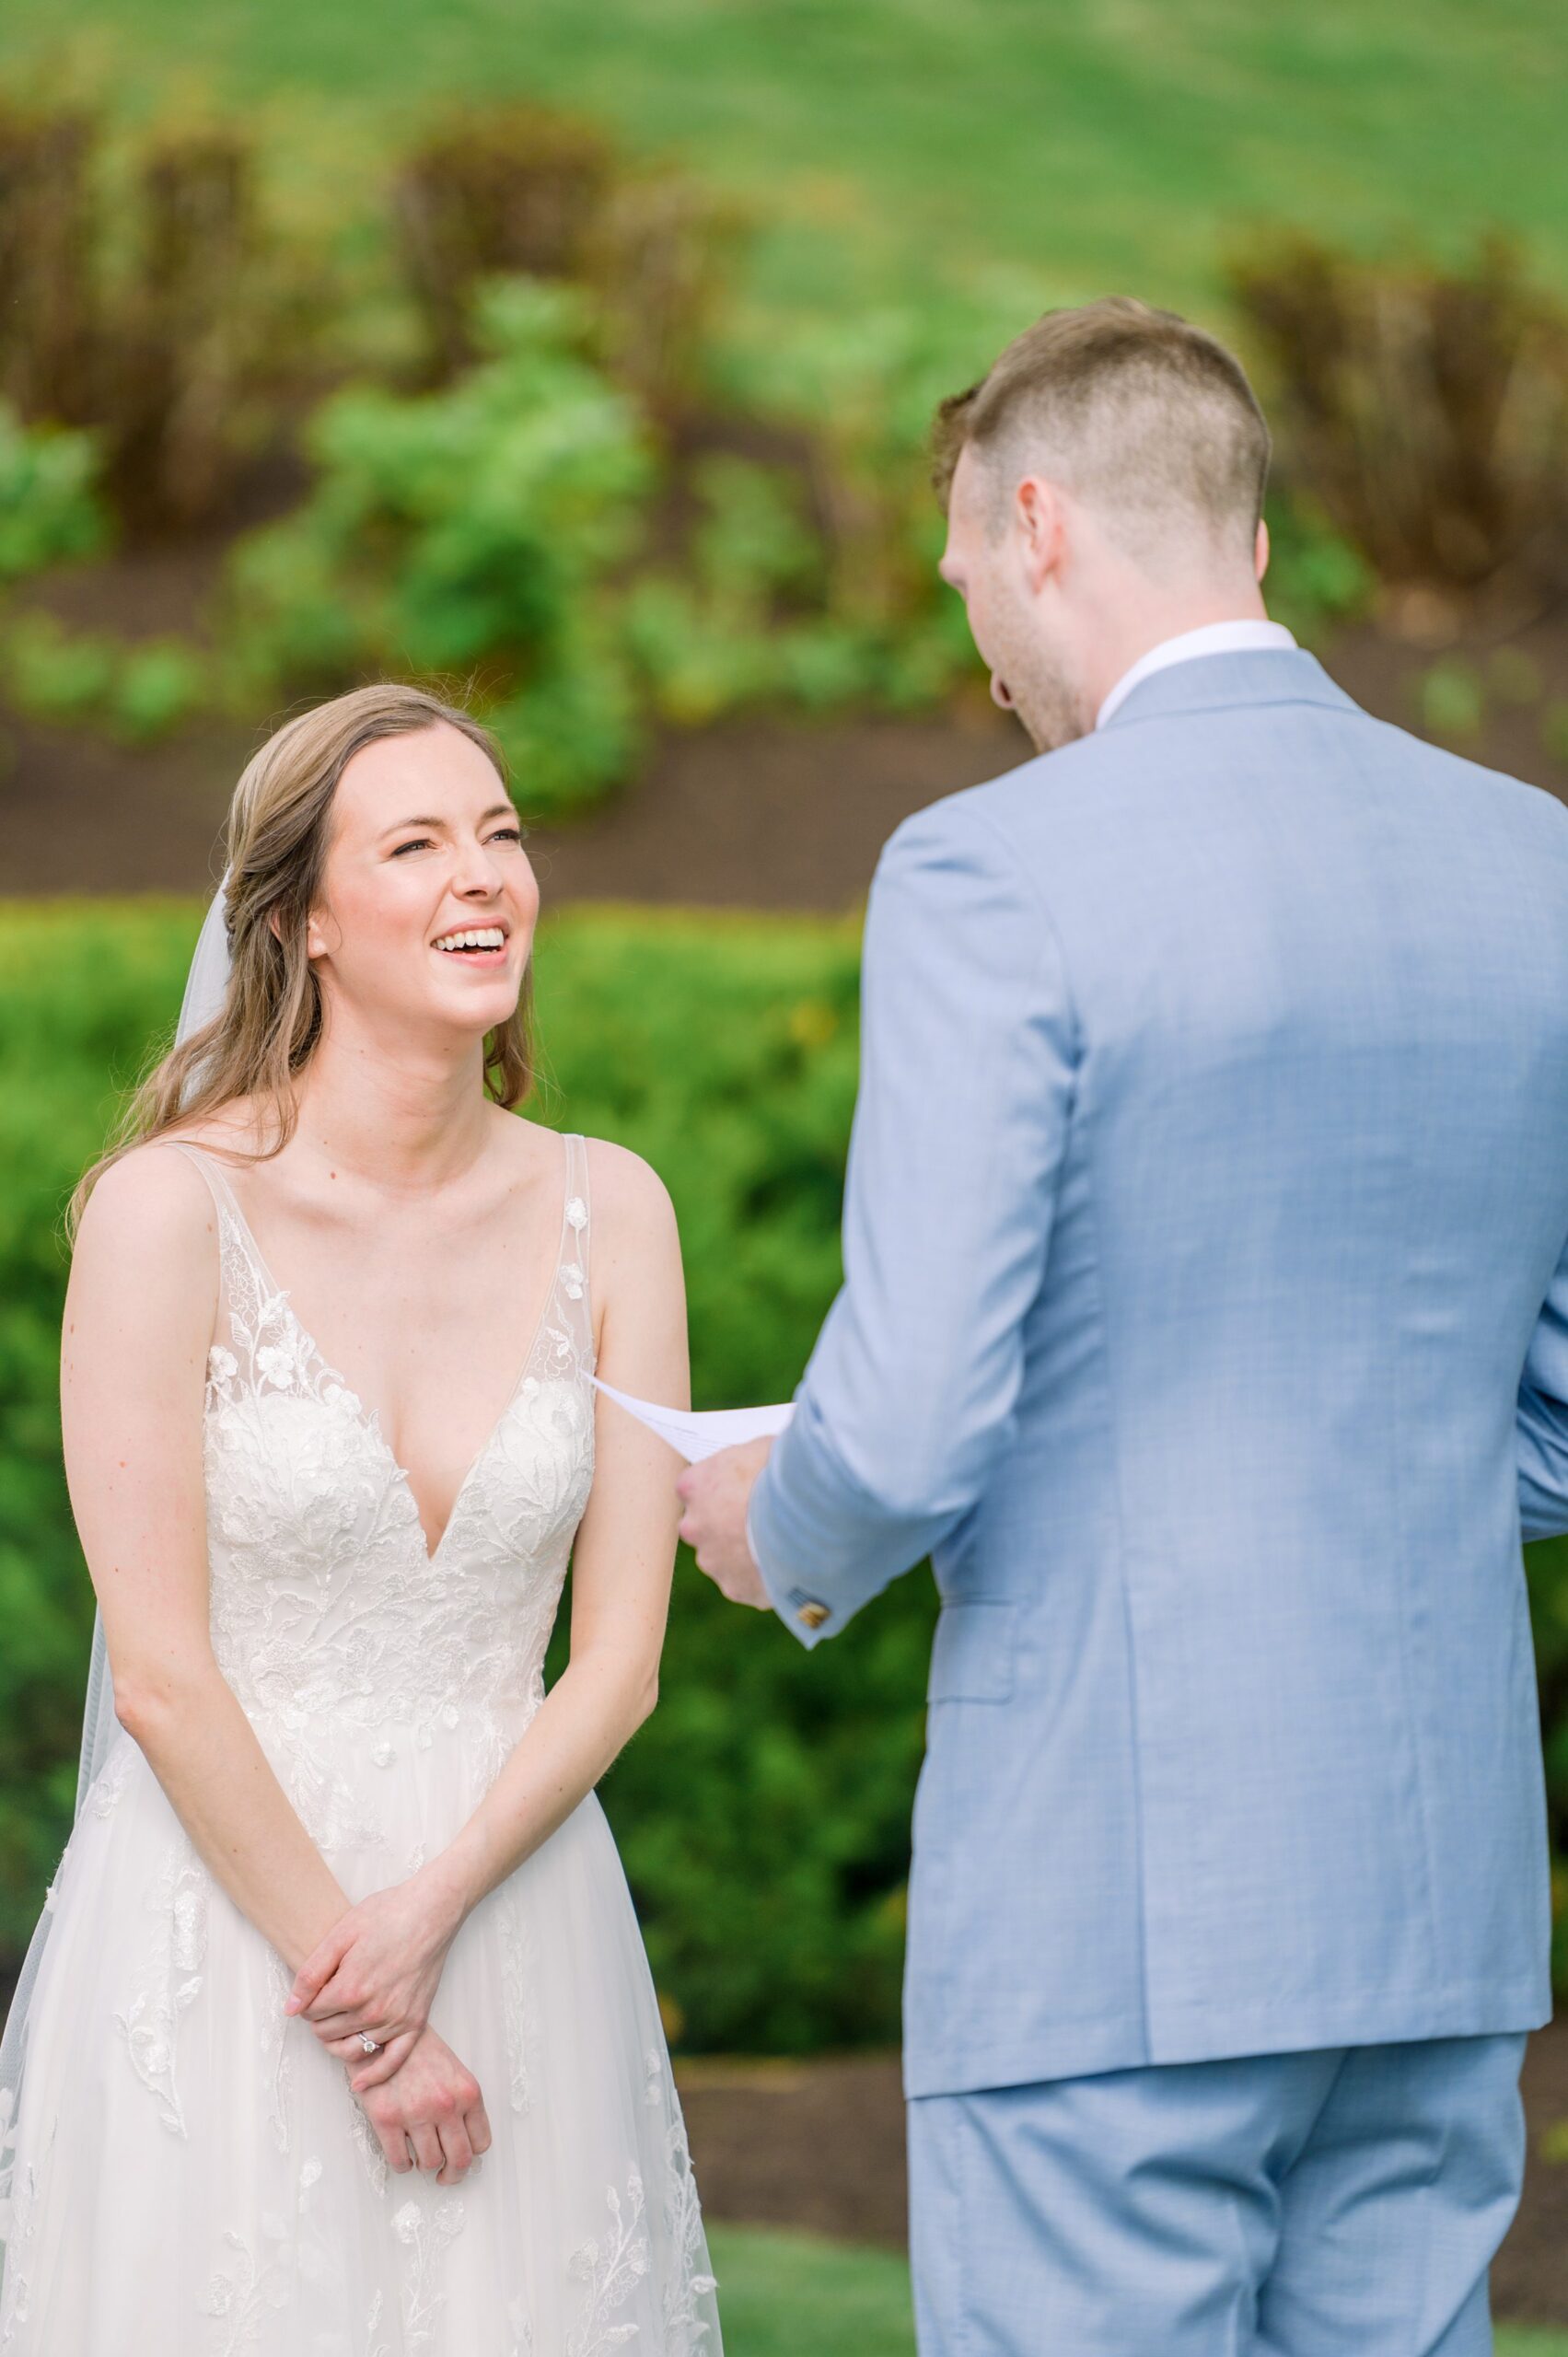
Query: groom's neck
1141,616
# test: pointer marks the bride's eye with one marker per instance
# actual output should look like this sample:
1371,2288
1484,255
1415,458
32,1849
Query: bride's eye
502,834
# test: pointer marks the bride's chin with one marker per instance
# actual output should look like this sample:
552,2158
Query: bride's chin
469,1013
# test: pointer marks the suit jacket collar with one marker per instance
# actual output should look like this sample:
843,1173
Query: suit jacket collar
1219,682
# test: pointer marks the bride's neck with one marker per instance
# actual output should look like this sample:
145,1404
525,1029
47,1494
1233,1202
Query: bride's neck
403,1122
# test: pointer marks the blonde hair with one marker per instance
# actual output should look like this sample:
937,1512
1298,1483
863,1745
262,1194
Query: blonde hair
1135,410
266,1030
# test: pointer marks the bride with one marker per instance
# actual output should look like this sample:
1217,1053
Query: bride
337,2037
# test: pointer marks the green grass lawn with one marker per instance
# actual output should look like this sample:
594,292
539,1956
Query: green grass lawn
1092,142
784,2293
796,2295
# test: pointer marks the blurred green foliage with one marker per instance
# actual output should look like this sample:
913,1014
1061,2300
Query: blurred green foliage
762,1813
48,506
1315,578
528,528
1426,406
135,690
471,530
586,486
1452,700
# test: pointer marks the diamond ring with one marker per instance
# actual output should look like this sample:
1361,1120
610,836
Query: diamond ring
368,2043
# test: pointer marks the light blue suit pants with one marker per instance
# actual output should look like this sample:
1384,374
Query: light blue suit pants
1345,2201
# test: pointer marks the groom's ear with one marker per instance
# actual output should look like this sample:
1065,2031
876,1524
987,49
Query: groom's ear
1037,514
1261,550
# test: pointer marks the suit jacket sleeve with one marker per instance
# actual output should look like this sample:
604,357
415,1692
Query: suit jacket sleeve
1541,1420
967,1055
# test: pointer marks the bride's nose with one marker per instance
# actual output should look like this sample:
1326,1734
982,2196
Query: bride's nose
479,872
480,875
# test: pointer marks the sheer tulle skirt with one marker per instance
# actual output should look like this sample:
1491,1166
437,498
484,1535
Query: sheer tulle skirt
190,2173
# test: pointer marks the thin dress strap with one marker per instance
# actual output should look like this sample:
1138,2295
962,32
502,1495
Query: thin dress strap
222,1192
574,1241
226,1201
244,1282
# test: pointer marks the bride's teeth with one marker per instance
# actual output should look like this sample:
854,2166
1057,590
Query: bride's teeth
484,937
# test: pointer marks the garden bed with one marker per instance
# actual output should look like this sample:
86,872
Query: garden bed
753,812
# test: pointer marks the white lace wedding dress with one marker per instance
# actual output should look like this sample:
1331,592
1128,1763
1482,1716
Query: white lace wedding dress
189,2175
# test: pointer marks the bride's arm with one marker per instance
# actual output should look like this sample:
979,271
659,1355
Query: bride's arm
623,1559
621,1567
139,1308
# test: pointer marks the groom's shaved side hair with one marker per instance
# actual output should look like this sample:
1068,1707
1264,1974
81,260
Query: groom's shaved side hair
1134,411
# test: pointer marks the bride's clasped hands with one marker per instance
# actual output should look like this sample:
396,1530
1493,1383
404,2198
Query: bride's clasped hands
375,1973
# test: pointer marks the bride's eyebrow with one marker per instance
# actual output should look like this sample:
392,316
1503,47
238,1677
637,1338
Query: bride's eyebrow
496,810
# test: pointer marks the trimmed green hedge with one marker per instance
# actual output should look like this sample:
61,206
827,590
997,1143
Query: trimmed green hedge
762,1813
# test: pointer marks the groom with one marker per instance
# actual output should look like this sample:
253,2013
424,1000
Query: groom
1206,1318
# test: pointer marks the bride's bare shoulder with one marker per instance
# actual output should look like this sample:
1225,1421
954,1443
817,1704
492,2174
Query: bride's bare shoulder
160,1199
629,1203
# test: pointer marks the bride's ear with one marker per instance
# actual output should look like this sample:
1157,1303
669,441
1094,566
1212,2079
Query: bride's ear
314,945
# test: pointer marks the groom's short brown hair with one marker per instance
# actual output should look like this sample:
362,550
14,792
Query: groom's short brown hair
1135,410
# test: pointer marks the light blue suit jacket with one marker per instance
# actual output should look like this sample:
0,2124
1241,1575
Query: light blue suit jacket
1206,1317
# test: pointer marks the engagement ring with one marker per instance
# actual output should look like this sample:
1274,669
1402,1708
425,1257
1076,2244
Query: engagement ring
368,2042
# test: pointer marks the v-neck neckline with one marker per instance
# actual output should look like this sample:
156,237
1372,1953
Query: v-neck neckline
371,1417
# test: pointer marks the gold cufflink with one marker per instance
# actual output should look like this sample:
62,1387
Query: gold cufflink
813,1614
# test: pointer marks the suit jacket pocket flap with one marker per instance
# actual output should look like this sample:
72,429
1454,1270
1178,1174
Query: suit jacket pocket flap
971,1660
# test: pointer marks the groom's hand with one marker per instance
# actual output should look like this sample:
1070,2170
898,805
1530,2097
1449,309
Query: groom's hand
715,1494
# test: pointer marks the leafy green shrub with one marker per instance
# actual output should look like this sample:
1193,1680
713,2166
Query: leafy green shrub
471,530
762,1813
48,355
752,615
166,314
1428,409
503,527
552,523
55,673
861,394
158,684
134,692
515,189
1315,578
49,510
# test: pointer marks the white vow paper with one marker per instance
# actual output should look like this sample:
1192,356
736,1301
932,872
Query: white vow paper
697,1436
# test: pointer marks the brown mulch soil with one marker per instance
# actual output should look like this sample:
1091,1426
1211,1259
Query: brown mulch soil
758,812
752,814
820,2145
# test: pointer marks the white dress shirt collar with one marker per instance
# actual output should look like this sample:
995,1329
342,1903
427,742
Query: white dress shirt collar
1214,638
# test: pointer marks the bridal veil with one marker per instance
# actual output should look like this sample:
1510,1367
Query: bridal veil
205,987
